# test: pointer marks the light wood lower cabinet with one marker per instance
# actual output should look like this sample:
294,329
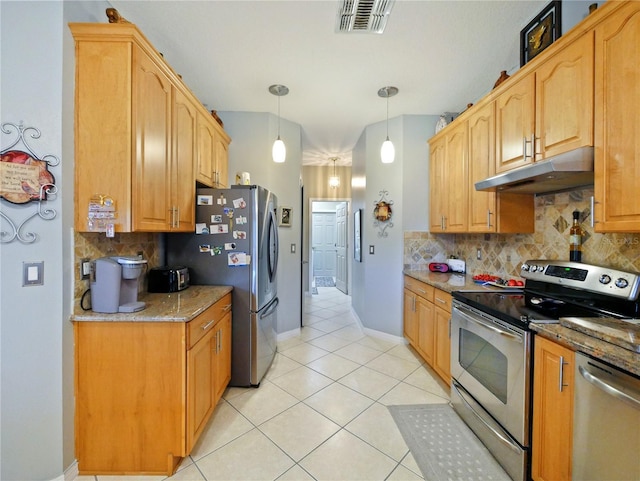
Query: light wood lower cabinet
427,315
442,316
145,390
552,411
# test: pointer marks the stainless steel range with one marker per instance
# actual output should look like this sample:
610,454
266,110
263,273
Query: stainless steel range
491,346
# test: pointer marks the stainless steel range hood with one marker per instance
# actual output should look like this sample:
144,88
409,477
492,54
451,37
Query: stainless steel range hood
563,172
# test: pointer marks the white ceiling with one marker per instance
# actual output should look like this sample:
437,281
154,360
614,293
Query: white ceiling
441,55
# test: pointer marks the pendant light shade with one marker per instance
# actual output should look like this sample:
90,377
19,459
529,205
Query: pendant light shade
334,180
279,150
387,151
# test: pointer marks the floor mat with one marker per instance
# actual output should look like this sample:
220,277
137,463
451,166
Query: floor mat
443,446
324,281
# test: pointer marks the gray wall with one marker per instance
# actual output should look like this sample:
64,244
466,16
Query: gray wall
377,280
252,135
36,346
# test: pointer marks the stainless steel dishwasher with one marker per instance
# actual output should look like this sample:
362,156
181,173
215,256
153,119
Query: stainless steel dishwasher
606,423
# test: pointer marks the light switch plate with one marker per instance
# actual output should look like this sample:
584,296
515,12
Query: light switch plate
32,273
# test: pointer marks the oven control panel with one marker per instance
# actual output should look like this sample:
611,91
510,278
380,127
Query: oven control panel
603,280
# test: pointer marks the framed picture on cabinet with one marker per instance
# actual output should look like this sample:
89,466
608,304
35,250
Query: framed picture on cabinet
541,32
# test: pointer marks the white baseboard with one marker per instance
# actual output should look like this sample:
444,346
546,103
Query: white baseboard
378,334
70,474
283,336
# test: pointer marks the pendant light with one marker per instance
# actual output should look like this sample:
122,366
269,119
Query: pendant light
387,151
279,150
334,180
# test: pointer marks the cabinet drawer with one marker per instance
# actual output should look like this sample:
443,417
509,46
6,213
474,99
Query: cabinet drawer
420,288
442,299
202,324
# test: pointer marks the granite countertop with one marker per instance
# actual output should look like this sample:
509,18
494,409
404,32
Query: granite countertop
571,338
449,281
599,349
172,307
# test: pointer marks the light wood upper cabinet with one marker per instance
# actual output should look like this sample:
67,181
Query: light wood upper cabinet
135,132
515,124
549,111
156,189
213,157
183,162
490,211
448,176
482,205
617,122
553,391
564,100
222,160
437,183
205,155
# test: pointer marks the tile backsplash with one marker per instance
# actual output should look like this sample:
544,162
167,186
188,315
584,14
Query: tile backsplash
95,245
502,254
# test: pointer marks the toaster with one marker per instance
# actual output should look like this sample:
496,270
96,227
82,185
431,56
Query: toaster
168,279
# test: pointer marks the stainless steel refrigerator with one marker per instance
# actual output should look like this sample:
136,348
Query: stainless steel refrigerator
236,243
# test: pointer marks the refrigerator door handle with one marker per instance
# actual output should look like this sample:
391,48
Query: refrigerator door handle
273,237
270,308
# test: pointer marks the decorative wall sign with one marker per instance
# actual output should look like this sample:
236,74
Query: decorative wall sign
382,214
541,32
25,178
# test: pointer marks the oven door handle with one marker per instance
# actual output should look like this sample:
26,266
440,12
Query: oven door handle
505,440
470,317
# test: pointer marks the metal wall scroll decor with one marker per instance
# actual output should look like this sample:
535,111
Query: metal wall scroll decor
25,179
382,214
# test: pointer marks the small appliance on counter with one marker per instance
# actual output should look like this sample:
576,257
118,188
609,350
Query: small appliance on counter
114,285
168,279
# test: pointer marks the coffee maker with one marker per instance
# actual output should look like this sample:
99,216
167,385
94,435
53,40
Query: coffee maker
114,284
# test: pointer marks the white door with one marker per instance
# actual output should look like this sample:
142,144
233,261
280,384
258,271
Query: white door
342,216
324,244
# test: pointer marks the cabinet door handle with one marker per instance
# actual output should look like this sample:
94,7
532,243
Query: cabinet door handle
533,147
226,308
413,303
489,213
441,301
207,325
561,383
593,203
220,340
443,222
524,148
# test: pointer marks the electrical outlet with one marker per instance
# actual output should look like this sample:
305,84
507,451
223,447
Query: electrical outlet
85,269
372,250
479,254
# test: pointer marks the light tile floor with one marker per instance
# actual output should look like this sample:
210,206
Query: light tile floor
320,413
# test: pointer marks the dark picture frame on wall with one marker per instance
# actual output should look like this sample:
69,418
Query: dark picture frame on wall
541,32
357,238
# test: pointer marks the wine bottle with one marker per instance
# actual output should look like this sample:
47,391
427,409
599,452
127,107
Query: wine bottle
575,239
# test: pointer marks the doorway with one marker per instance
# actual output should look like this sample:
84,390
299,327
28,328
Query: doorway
328,244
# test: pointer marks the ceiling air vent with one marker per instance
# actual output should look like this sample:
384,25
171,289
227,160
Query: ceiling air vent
363,16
